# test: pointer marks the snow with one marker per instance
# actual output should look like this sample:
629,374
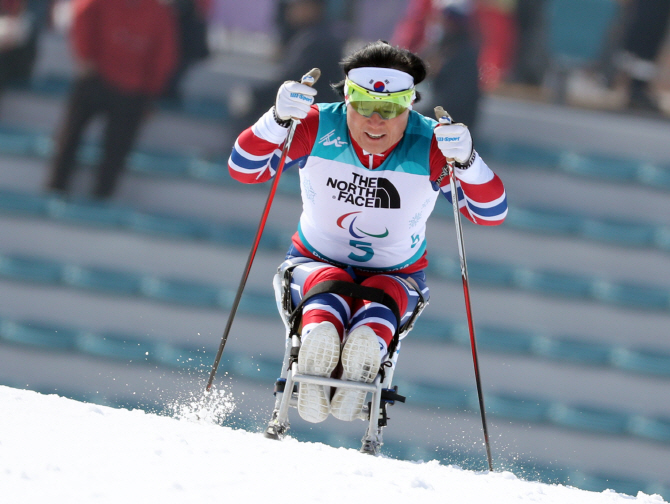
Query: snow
57,450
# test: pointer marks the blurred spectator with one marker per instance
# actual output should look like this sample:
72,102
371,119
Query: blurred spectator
313,42
454,67
412,30
495,34
645,31
532,58
496,20
192,17
125,52
20,25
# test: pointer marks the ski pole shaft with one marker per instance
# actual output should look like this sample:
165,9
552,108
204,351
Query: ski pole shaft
310,79
444,118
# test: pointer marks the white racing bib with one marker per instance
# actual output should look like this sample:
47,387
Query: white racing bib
370,219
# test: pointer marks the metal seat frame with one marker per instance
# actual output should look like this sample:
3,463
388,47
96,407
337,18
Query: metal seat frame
381,390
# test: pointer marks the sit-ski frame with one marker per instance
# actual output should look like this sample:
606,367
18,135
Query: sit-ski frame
381,390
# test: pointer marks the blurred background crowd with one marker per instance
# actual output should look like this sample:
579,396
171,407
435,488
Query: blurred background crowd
122,235
606,54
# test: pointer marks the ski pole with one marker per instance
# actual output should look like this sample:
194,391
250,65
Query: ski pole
444,118
310,79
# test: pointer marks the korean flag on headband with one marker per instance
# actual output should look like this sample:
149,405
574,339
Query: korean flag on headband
379,86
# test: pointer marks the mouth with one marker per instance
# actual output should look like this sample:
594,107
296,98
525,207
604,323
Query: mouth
374,137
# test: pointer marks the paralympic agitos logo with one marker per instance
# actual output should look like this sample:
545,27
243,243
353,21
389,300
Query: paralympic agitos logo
370,192
352,226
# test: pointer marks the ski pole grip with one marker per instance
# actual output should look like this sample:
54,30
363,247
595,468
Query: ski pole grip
442,115
311,77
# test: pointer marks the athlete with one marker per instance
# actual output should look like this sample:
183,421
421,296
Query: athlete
371,170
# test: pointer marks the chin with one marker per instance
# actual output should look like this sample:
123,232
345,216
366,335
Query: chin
374,147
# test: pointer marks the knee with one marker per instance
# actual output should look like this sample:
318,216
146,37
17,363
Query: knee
391,286
326,275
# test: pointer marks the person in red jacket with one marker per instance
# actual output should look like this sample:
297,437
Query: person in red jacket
125,50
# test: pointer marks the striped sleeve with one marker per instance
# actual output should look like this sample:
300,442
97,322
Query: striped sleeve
481,194
257,151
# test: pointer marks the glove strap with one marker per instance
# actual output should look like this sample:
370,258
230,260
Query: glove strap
284,123
468,163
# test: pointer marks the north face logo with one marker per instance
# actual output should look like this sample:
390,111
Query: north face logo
370,192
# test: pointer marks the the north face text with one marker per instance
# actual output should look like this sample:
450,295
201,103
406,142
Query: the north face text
370,192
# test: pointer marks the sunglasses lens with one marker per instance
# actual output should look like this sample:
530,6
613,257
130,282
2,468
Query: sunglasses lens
386,110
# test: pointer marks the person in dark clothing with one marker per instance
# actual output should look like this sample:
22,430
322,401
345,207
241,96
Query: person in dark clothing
313,43
20,26
193,47
643,38
125,51
454,58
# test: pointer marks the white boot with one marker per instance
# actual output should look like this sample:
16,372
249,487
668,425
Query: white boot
318,356
360,362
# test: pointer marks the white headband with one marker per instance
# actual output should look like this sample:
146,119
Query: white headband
381,80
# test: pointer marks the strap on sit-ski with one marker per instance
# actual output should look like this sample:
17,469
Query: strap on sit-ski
351,290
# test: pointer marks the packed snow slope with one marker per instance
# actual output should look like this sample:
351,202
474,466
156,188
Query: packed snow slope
58,450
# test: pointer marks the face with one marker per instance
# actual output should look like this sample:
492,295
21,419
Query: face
375,134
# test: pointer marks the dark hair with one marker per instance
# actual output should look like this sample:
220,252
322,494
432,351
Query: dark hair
384,55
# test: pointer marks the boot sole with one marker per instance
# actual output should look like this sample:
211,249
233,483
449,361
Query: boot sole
360,362
319,354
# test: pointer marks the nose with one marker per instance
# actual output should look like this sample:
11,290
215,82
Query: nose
375,119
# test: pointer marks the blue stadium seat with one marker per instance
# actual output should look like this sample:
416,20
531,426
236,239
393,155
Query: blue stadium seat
210,171
518,154
601,483
662,238
657,176
114,346
38,334
651,428
623,233
632,295
16,143
571,350
501,275
600,167
576,35
553,283
174,356
439,330
577,28
159,163
503,340
89,212
52,84
258,303
434,395
445,267
102,279
30,269
252,367
529,410
543,221
586,418
164,225
642,361
22,203
180,291
205,108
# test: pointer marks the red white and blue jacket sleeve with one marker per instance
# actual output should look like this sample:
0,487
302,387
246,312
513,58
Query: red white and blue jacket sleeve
256,153
481,194
257,150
